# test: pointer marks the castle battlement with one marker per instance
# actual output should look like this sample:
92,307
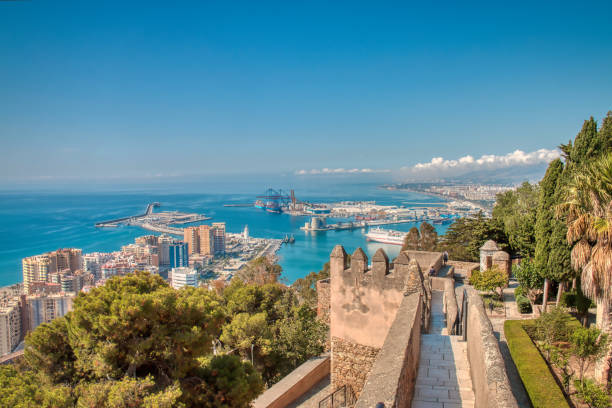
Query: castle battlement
363,303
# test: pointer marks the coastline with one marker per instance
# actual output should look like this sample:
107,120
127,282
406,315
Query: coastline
431,194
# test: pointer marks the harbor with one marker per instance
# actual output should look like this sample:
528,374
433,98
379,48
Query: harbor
319,224
157,222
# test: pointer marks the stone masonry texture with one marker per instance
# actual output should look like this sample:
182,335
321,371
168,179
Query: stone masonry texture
351,364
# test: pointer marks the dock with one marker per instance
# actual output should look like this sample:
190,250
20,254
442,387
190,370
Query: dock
360,224
158,222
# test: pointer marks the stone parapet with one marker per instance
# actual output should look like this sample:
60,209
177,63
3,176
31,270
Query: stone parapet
394,372
296,384
487,369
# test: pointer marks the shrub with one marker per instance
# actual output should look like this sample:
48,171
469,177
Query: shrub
553,326
588,345
490,280
543,390
530,278
568,299
523,304
520,291
592,394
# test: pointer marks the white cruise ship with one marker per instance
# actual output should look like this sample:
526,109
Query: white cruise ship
386,236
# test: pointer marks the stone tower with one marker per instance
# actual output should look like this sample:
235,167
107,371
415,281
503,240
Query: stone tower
364,301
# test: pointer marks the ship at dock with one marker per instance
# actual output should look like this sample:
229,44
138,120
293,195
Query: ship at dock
386,236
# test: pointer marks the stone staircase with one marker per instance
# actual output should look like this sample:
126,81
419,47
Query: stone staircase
443,380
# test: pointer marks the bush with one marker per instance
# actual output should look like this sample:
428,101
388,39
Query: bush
543,390
523,304
592,394
490,280
554,326
568,299
520,291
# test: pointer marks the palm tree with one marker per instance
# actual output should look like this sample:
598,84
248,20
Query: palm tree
588,210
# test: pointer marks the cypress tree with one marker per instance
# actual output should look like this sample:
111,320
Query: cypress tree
587,144
605,132
545,218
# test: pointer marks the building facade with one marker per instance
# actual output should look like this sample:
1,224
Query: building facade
179,255
10,327
41,308
218,229
181,277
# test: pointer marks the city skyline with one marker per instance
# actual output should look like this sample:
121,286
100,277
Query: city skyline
204,90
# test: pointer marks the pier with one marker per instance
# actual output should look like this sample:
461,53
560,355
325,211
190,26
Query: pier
158,222
319,226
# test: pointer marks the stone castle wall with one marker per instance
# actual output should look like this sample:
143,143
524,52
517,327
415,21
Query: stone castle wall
363,306
323,300
351,364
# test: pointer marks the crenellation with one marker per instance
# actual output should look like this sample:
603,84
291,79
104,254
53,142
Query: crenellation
359,263
380,266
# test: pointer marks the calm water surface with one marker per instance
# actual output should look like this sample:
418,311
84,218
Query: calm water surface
33,223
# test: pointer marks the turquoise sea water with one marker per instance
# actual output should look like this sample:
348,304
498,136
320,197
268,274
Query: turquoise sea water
33,223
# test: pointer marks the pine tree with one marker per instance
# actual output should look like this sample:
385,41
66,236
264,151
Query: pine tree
429,237
412,239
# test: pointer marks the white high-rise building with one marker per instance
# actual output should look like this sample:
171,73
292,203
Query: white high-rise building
44,308
183,276
245,233
10,327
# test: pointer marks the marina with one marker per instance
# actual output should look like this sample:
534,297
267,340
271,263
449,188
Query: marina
157,222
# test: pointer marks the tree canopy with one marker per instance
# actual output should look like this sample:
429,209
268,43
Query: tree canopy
516,211
283,332
465,236
138,342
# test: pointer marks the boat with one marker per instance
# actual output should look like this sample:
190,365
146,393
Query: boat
260,204
386,236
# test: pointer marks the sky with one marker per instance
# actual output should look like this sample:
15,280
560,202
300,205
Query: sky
114,90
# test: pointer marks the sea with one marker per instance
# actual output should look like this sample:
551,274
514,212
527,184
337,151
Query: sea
34,222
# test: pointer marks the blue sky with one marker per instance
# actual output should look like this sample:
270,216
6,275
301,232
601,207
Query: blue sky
131,90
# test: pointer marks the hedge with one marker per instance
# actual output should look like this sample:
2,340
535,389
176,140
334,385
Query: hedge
523,304
543,390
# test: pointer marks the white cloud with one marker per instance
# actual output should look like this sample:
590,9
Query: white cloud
440,166
340,171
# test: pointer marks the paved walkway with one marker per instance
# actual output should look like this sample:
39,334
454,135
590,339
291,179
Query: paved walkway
443,380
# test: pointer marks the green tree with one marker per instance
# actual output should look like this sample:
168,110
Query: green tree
282,333
19,389
412,239
49,351
588,344
605,133
491,280
588,144
516,210
529,277
466,235
429,237
546,223
592,394
306,286
552,327
260,271
133,342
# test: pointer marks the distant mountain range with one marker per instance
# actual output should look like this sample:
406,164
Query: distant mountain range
508,175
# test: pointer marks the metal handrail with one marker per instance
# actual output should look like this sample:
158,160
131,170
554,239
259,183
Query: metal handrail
342,397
